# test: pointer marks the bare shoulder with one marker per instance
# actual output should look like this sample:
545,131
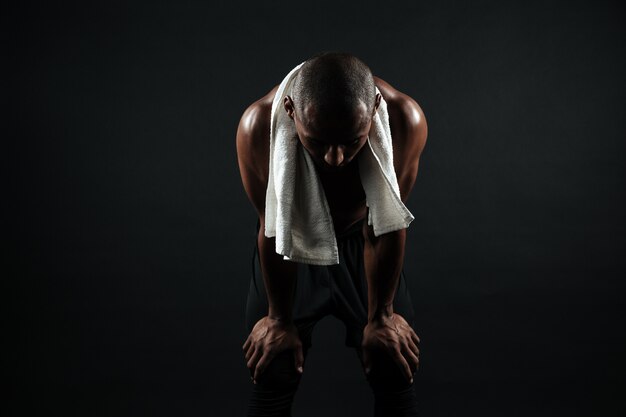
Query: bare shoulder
408,132
405,109
252,142
254,120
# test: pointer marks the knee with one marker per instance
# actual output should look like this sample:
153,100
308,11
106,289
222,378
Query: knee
386,374
275,388
281,372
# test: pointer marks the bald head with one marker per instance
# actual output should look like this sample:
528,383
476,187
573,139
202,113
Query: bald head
333,83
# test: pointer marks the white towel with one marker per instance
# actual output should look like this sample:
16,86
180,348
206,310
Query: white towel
296,210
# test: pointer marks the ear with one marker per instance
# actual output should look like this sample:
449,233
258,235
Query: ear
289,106
377,102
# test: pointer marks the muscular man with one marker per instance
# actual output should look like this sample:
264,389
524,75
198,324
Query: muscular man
367,289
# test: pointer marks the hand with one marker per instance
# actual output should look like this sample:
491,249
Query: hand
268,338
394,336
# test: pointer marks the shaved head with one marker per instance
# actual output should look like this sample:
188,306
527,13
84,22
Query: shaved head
333,83
333,103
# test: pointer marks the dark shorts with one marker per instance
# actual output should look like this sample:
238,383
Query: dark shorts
339,290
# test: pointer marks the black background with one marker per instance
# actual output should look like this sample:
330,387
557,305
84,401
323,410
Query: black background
134,234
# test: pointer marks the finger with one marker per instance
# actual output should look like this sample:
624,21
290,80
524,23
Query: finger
402,363
247,343
413,347
415,338
299,356
366,361
250,352
412,358
263,362
254,359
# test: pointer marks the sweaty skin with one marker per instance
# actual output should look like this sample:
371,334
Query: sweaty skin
334,140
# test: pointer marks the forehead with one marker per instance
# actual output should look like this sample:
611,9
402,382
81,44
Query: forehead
335,121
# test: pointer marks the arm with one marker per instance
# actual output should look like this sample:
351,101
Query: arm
275,332
385,330
253,157
279,277
384,255
383,258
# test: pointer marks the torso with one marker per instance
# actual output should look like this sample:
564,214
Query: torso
344,191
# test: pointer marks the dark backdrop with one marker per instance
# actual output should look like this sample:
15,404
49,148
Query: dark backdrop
134,234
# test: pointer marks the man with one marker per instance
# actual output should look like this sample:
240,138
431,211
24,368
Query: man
333,104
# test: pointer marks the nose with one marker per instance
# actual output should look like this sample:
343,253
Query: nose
334,155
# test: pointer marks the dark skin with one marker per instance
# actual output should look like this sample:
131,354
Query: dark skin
334,140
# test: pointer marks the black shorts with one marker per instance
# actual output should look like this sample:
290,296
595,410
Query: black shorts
340,290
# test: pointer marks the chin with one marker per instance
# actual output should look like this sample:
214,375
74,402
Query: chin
327,168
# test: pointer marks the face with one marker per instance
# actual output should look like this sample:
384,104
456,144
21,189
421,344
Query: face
333,139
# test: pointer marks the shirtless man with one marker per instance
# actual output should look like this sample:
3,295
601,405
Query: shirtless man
368,292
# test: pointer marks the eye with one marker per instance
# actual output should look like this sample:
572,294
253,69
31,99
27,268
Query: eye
355,141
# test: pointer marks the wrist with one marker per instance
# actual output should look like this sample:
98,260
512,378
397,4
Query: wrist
279,318
382,314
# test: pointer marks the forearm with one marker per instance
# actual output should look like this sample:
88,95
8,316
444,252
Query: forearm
279,277
383,258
